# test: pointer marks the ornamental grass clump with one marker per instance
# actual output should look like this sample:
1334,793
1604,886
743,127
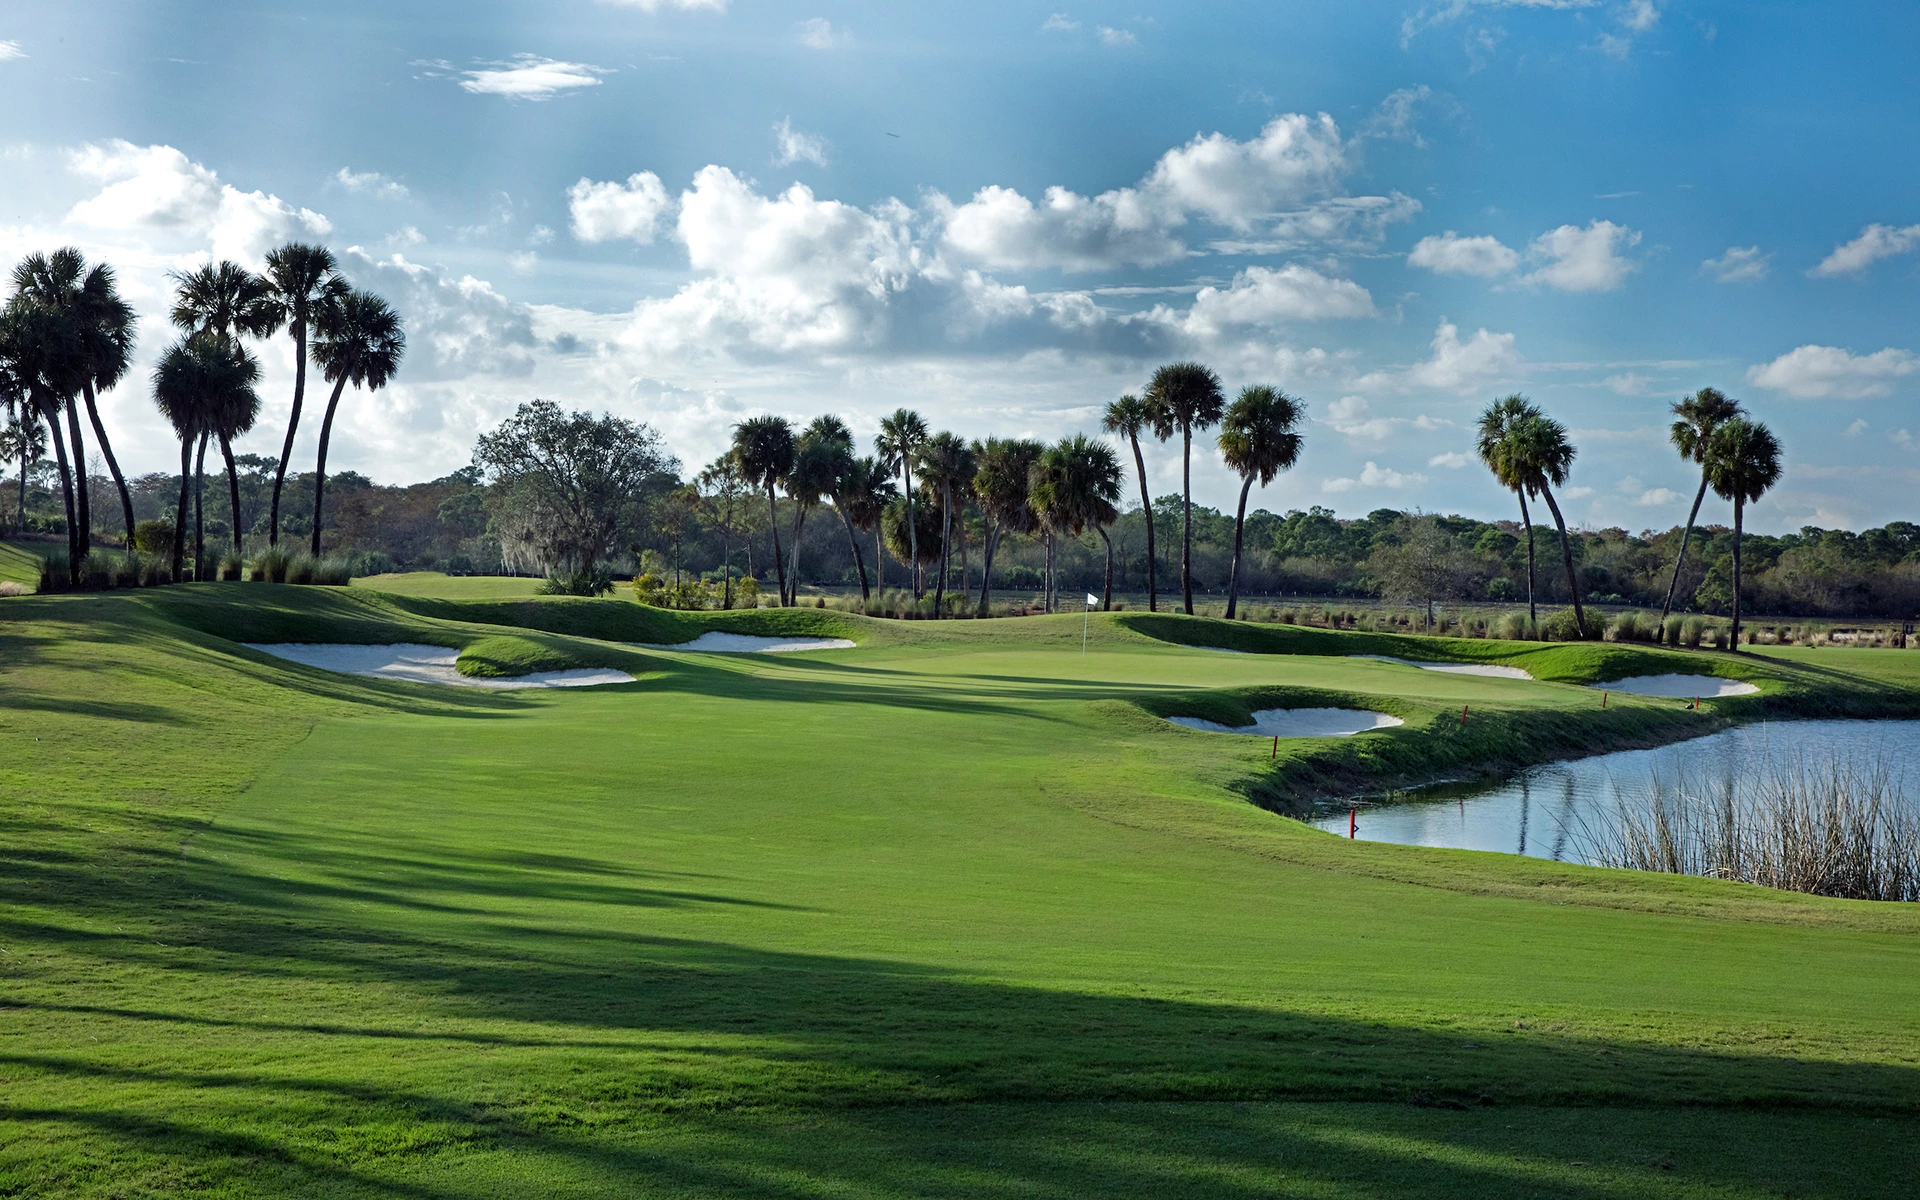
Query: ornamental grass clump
335,570
300,568
271,566
232,567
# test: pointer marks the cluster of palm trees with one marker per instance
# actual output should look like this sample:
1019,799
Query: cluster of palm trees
66,335
1019,485
1530,454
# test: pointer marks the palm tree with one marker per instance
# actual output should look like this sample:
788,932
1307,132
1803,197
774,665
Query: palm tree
946,464
763,447
900,438
39,342
816,455
1001,479
1543,456
1691,433
1185,396
1258,439
231,412
224,298
303,283
844,481
865,492
1130,416
1074,486
1498,449
23,438
361,342
1742,462
202,382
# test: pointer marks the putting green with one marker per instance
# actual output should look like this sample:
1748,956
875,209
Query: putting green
953,913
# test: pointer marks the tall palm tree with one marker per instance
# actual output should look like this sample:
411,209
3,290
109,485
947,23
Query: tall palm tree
1696,418
231,412
201,382
946,464
1130,416
1001,479
865,492
763,446
361,342
1498,448
1259,440
1074,487
40,342
23,438
303,283
1742,463
844,481
816,462
900,438
224,298
1185,396
1543,456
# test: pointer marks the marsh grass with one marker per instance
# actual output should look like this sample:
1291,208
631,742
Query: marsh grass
1829,827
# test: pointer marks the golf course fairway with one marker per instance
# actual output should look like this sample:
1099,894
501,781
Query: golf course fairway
954,913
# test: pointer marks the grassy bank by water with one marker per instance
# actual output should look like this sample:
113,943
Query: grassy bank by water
955,913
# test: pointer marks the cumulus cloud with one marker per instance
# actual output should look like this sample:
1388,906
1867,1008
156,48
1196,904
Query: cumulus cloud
1874,243
1457,364
818,33
1262,296
373,182
158,189
653,6
1828,372
1657,497
604,211
1059,23
1451,254
792,146
1740,264
1453,460
1375,476
1234,182
1109,36
1353,416
1583,260
530,77
1001,228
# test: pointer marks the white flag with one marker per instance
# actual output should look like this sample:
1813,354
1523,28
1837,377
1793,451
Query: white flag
1092,599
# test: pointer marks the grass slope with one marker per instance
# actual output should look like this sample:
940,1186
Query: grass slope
19,564
954,914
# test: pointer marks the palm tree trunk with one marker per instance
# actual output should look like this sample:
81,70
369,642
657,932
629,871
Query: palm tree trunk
986,568
1186,524
799,526
913,529
966,586
320,471
299,332
113,464
1686,535
233,492
946,550
773,528
879,562
1239,527
82,502
1739,512
66,497
199,511
1526,519
180,511
726,563
853,543
26,463
1106,593
1146,510
1046,600
1566,556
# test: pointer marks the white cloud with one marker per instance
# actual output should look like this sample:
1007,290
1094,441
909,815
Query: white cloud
604,211
1583,260
1629,383
523,262
11,50
1740,264
1260,297
371,181
999,227
1109,36
531,77
1353,416
1874,243
818,33
1059,23
1657,497
792,146
157,188
1233,182
653,6
1453,460
1375,476
1858,427
1451,254
1822,372
1340,222
1456,365
1635,17
1393,120
406,235
1576,493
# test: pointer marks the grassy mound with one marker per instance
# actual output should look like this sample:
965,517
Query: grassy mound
19,565
504,656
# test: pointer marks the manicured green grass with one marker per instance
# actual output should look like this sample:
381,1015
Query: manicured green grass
19,564
450,587
952,914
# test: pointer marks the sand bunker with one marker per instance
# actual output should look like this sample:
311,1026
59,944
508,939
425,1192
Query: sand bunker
740,643
1299,722
1679,687
416,663
1487,669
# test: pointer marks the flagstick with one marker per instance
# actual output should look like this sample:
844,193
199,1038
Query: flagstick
1085,616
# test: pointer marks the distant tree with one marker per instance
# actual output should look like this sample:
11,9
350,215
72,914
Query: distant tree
1002,479
572,481
862,491
922,538
201,381
360,342
1183,397
1130,416
722,488
946,468
24,437
1421,562
1499,448
1074,487
763,449
303,283
39,343
898,442
817,456
1696,419
230,413
1742,464
1259,439
1543,457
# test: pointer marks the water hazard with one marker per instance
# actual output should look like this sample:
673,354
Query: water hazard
1543,811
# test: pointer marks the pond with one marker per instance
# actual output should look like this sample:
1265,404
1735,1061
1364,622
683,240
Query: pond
1542,811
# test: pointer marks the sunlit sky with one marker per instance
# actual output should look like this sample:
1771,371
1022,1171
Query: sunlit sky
1005,214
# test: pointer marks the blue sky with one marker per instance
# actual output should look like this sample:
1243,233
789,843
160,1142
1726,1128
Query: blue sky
1004,214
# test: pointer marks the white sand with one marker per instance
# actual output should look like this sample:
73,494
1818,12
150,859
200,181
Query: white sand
416,663
1300,722
1222,650
740,643
1487,669
1678,687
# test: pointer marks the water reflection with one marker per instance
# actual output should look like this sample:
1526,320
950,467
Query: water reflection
1499,816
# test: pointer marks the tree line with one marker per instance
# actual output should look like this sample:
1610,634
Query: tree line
66,335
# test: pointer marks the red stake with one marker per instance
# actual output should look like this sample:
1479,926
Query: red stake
1463,713
1353,821
1603,699
1276,749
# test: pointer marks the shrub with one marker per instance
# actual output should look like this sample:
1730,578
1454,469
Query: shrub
156,570
271,566
577,583
1515,627
153,537
53,570
334,571
231,567
746,592
300,568
1691,631
1627,627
